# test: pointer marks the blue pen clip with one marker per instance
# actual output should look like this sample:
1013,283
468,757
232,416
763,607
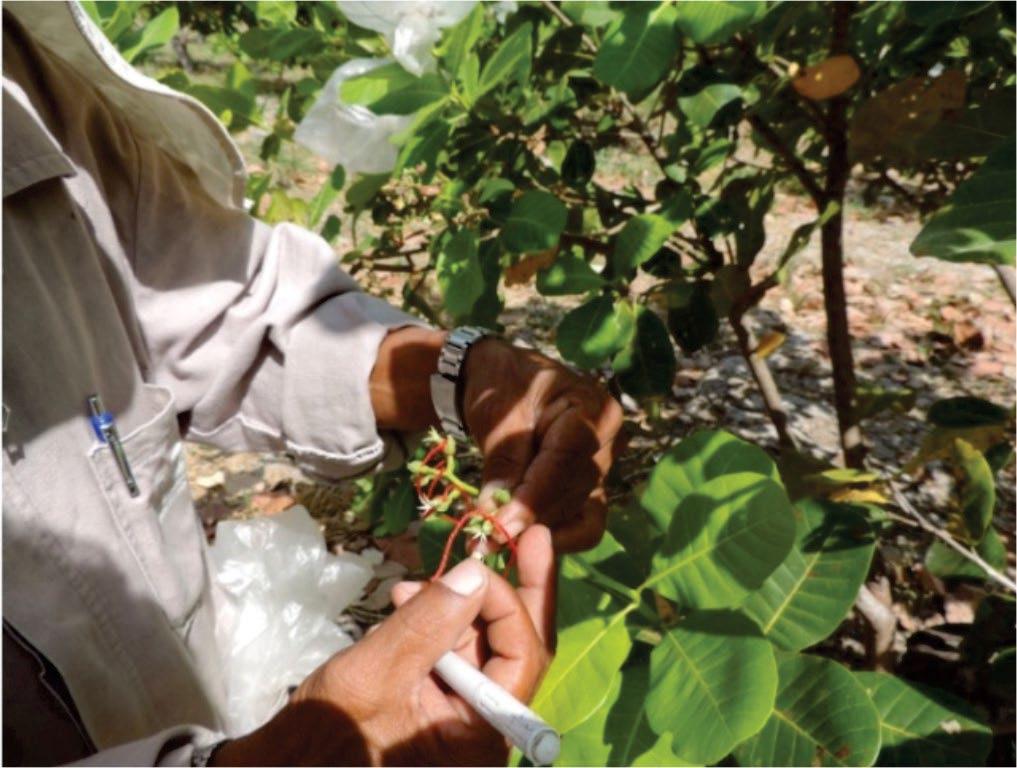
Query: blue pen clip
105,428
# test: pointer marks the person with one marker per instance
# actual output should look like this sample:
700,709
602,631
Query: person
142,305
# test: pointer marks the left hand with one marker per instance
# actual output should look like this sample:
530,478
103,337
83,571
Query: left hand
548,435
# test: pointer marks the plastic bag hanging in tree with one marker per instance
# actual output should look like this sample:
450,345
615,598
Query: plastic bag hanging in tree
351,135
411,28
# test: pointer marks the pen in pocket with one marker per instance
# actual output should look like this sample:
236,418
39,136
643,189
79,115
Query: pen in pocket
105,429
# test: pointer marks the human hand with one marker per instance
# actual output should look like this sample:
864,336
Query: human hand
378,703
549,437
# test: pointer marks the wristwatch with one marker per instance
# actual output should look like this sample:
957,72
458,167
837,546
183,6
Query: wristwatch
446,384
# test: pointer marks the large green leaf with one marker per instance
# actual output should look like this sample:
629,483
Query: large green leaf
977,223
645,366
512,58
809,594
535,223
569,274
593,641
974,131
638,49
713,681
823,716
592,332
716,21
703,106
640,238
699,458
459,274
724,541
618,732
925,726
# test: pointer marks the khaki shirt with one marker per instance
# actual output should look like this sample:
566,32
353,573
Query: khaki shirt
130,270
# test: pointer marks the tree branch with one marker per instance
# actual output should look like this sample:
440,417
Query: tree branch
949,540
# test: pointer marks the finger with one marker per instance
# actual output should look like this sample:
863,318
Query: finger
517,656
568,465
408,643
507,454
538,581
585,531
469,646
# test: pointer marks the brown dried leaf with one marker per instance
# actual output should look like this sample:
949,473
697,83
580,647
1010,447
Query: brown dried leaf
523,270
770,343
828,78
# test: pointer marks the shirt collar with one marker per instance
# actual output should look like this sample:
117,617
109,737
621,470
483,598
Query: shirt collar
30,152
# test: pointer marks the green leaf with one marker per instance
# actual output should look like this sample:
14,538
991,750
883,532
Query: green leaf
703,106
965,411
715,22
513,58
977,223
974,131
921,725
569,274
930,14
460,40
326,195
587,744
638,49
977,488
281,44
946,563
640,238
627,728
702,456
645,365
156,33
391,90
593,641
363,190
691,316
433,534
592,332
724,541
713,681
423,147
823,716
459,274
535,223
810,593
274,12
579,164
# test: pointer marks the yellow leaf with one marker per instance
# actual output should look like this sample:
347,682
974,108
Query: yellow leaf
859,496
939,443
769,344
828,78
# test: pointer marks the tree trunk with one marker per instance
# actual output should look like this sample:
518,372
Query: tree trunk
838,334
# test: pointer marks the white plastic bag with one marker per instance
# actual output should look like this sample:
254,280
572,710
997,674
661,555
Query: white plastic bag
283,592
411,28
351,135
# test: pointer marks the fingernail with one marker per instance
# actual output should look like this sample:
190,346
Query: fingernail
466,578
512,527
486,497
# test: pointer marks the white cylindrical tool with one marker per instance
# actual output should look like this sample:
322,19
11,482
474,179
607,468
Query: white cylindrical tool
517,722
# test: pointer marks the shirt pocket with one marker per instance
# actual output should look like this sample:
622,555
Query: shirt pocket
160,524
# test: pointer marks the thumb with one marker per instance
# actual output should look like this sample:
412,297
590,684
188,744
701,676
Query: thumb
410,641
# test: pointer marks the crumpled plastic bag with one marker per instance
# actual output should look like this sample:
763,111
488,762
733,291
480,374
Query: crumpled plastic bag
351,135
411,28
282,591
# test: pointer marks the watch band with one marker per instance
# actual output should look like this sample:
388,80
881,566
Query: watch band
446,389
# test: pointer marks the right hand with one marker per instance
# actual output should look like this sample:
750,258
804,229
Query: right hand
377,703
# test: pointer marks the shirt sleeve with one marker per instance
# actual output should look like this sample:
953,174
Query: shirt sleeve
173,747
266,343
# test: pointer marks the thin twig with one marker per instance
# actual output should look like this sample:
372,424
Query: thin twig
949,540
1006,278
